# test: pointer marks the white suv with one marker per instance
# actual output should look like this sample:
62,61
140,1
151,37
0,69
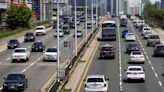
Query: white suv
135,73
96,83
130,37
21,54
40,30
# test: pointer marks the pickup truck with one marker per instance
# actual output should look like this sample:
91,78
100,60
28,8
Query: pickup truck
20,54
153,39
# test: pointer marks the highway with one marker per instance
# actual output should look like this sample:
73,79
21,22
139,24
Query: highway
36,71
114,68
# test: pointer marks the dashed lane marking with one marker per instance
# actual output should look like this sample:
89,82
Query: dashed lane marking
151,65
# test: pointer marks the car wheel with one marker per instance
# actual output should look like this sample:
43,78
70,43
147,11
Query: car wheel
147,44
27,59
114,57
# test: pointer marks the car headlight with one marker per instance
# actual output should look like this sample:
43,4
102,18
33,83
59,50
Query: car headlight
4,84
40,47
20,84
31,37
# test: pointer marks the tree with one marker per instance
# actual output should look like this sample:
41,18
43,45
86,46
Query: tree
18,15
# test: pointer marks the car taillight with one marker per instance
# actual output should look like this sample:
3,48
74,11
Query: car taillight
128,73
131,56
104,85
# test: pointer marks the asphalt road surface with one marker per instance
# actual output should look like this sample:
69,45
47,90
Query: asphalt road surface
114,68
36,71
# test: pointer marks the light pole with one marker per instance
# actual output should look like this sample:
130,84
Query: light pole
75,29
96,14
86,6
111,7
92,15
58,44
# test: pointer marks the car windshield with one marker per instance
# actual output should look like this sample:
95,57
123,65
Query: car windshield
134,69
78,31
160,47
136,53
29,34
39,28
20,50
15,77
106,48
38,43
95,80
125,31
154,37
146,29
51,50
13,41
65,27
132,45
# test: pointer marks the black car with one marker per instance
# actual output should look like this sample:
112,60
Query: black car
15,82
71,25
13,43
29,36
159,50
66,30
38,46
132,47
107,51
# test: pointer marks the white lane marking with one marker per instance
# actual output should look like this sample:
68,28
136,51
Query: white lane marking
1,88
120,64
33,63
155,73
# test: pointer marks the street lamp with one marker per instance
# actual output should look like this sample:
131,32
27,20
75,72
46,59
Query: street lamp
96,14
92,15
75,29
58,44
86,6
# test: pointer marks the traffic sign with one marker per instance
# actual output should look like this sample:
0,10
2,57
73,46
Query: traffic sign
61,73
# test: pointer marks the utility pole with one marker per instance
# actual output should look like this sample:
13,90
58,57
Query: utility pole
117,8
96,14
92,15
86,16
58,44
75,28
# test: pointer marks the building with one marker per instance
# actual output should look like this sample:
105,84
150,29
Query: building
162,4
157,4
145,1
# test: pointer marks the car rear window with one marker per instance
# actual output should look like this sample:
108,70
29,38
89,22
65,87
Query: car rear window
134,69
95,80
51,50
20,50
39,28
106,48
15,77
136,53
160,47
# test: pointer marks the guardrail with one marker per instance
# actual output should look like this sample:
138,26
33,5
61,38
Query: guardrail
56,86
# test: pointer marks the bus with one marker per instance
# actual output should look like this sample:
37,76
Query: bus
108,30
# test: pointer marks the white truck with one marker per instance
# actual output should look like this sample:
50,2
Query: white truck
20,54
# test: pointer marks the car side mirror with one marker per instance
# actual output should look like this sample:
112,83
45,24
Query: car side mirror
144,70
124,69
4,78
84,79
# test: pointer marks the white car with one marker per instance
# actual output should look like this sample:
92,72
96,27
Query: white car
135,73
20,54
78,22
96,83
139,23
146,29
132,17
50,54
136,57
79,33
130,37
40,30
147,34
61,33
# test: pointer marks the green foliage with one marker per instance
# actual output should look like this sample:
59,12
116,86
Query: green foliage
153,13
18,16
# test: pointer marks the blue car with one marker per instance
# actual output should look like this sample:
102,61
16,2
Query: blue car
124,33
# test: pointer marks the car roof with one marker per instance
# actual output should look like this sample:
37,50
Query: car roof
20,48
95,76
130,33
107,45
109,21
134,66
40,26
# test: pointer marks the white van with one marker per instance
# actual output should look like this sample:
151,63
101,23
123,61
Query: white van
139,23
